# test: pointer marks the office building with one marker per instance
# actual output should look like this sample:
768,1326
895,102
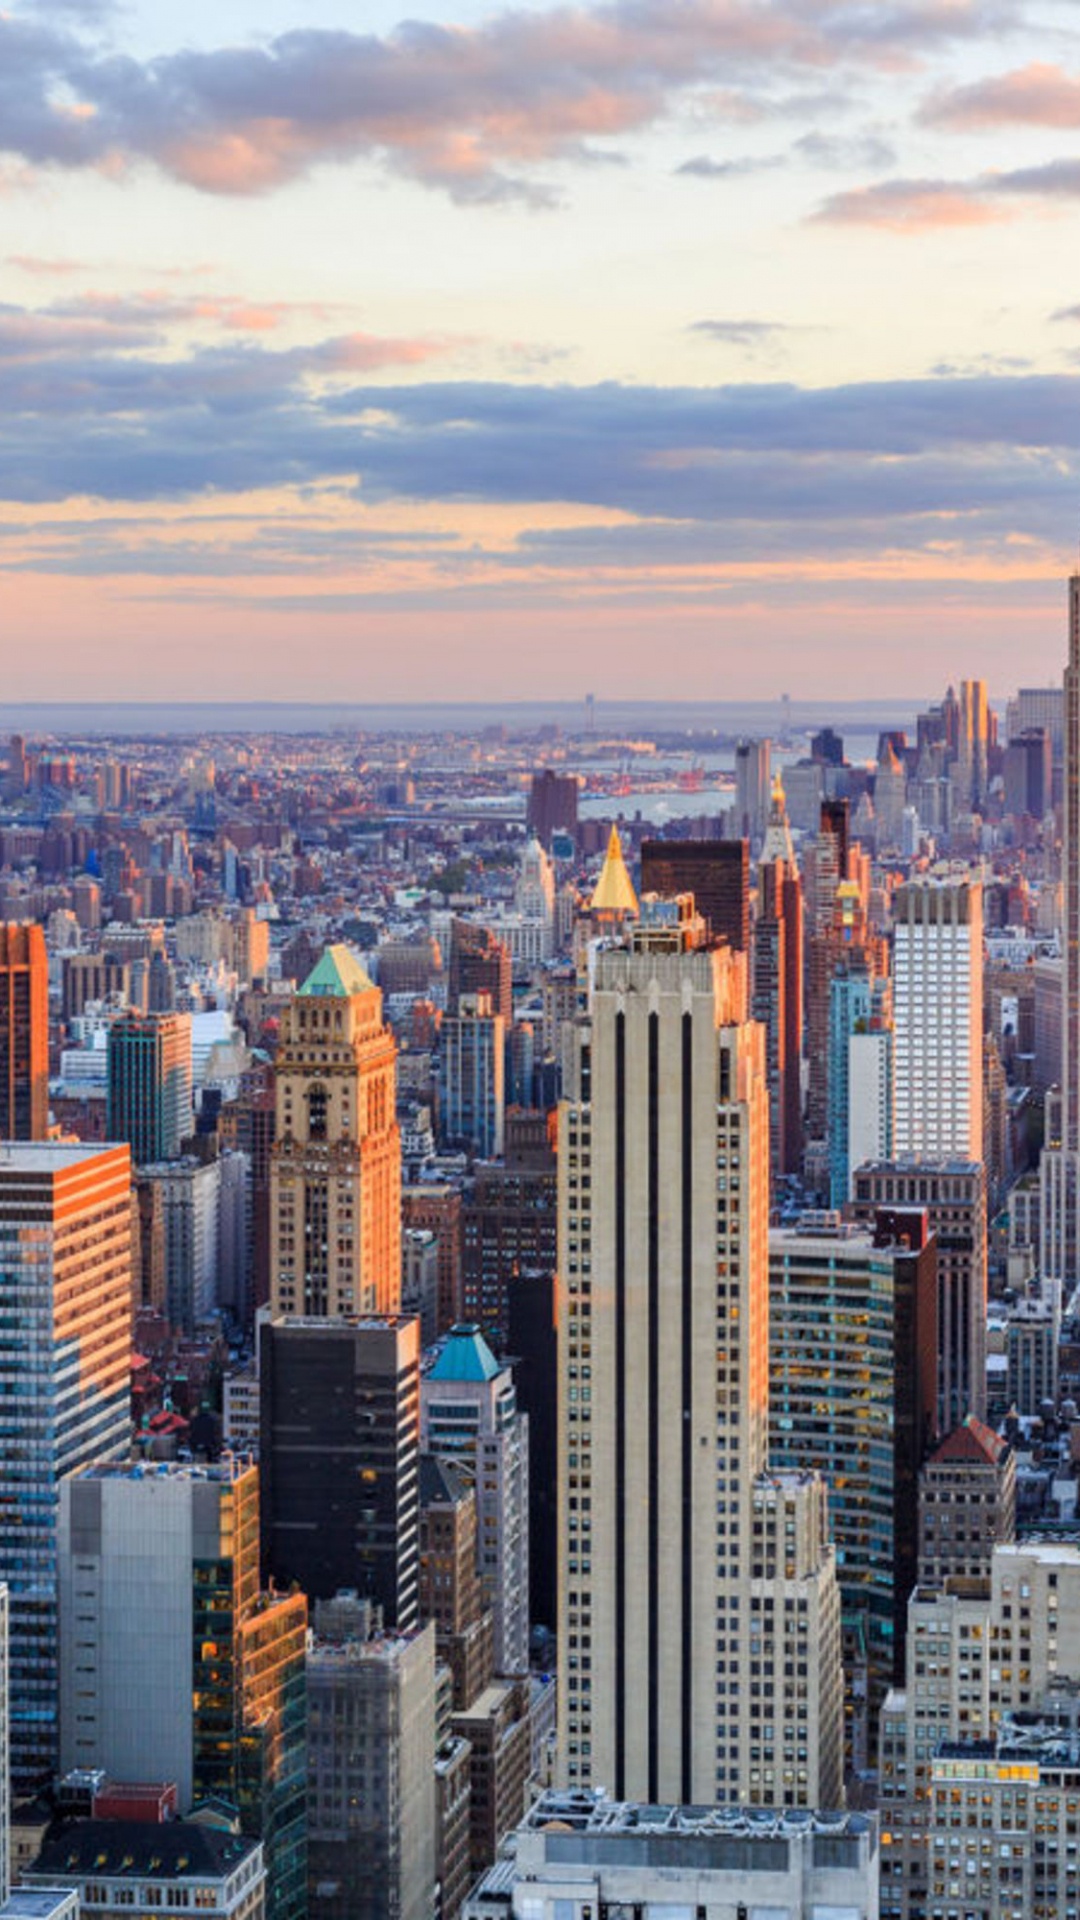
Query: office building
437,1209
777,992
480,963
24,1033
65,1364
937,1017
371,1776
189,1197
714,1862
978,1651
860,1075
953,1194
335,1165
716,872
989,1798
469,1415
509,1222
853,1384
451,1591
967,1505
497,1731
552,806
753,787
1029,774
663,1397
339,1449
175,1665
472,1067
149,1069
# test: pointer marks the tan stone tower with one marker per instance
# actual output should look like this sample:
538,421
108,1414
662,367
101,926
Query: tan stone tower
335,1174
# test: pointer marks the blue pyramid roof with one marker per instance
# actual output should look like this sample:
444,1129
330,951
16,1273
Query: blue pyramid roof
466,1356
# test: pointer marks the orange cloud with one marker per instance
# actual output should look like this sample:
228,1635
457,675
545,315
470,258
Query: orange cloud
1039,95
911,206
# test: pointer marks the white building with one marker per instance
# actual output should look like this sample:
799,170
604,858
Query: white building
669,1587
937,1013
580,1854
469,1414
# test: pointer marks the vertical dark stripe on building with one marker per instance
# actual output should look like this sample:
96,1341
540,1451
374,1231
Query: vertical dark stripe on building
654,1406
687,1340
620,1406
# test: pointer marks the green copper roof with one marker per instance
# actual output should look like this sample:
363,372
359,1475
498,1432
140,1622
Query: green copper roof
466,1356
337,975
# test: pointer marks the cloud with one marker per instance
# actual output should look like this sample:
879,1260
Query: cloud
742,333
704,168
474,110
1039,95
910,206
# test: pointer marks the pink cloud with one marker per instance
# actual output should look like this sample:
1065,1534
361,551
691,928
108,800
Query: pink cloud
911,206
1039,95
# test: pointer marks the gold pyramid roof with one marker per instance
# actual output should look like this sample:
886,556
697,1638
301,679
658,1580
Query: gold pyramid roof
614,891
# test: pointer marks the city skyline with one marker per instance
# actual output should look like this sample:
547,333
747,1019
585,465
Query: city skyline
360,355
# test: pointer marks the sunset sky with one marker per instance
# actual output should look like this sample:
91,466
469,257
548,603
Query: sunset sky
669,347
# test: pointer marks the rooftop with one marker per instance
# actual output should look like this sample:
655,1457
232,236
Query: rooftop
972,1441
111,1849
466,1356
337,975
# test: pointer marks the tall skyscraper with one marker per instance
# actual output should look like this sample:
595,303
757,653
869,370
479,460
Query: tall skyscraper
860,1075
335,1165
777,999
24,1033
953,1193
553,805
753,787
338,1451
149,1067
175,1666
469,1414
1070,1019
716,872
671,1578
472,1062
65,1361
937,1016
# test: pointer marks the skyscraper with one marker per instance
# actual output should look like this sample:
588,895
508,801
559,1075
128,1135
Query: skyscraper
469,1414
472,1063
670,1579
553,805
174,1665
937,1015
335,1165
339,1449
777,999
65,1362
24,1033
716,872
149,1067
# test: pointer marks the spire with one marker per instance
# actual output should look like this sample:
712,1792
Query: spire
777,844
614,891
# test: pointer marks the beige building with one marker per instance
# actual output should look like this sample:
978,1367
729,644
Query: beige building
671,1642
335,1167
937,1019
977,1651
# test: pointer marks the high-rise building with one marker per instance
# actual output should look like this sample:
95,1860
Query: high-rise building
339,1449
451,1591
716,872
1029,774
777,998
853,1389
371,1776
65,1360
469,1415
953,1194
437,1209
174,1664
937,1016
753,787
972,768
149,1101
669,1577
24,1033
860,1077
509,1222
553,806
472,1063
480,963
335,1165
967,1505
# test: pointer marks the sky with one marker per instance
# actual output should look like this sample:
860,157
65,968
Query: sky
667,348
